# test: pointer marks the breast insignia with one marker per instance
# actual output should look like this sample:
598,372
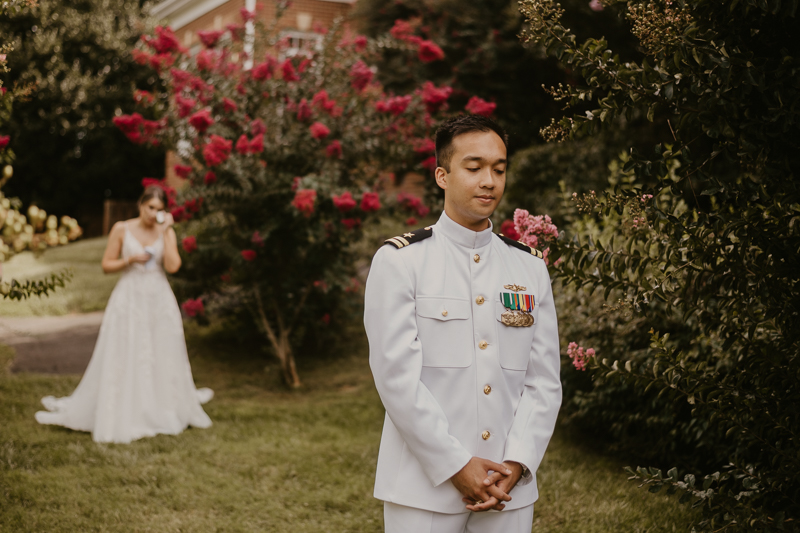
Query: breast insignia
523,247
401,241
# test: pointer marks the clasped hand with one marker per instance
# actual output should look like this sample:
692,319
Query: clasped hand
486,484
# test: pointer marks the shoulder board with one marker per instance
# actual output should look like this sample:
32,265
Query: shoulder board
523,247
411,237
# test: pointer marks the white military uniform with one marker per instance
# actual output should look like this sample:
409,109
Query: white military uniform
455,381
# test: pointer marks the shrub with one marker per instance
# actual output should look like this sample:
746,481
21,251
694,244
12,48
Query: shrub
286,164
708,260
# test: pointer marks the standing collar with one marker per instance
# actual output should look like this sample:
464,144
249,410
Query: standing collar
461,235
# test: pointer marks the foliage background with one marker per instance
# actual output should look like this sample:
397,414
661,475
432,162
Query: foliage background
76,56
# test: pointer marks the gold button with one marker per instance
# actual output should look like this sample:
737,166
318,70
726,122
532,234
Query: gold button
487,389
476,258
482,345
479,300
486,435
444,313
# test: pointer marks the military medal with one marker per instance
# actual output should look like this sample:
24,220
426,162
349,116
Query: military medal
518,307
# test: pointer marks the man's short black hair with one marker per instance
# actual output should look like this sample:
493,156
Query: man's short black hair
453,127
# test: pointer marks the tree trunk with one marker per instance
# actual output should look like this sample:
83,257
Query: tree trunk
279,341
286,357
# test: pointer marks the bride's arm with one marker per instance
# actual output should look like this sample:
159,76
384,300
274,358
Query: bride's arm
172,259
112,262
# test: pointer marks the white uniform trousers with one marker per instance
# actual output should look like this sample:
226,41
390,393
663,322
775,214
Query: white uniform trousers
402,519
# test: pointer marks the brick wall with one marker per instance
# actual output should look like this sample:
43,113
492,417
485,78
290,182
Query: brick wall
322,13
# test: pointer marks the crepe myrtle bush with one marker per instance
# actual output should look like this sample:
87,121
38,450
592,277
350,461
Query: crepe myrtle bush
283,166
706,257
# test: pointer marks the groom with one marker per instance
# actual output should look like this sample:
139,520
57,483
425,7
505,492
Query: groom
464,350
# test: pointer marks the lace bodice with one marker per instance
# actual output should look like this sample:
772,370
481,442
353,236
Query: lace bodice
131,246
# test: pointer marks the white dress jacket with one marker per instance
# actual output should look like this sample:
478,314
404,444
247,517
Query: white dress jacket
455,381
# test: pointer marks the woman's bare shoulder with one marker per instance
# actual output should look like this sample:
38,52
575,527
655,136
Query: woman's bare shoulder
119,227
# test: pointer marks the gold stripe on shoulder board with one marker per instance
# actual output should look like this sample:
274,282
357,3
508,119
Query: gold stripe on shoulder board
396,242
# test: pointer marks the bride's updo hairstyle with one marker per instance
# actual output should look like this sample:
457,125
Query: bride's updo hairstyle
153,191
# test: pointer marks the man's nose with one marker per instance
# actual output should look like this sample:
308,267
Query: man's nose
486,181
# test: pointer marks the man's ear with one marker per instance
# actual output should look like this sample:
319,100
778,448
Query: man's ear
441,177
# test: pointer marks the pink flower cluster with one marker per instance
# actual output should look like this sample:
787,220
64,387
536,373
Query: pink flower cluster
535,231
247,146
478,106
396,105
304,201
137,129
413,204
435,98
193,307
427,51
189,244
217,150
579,355
328,104
360,75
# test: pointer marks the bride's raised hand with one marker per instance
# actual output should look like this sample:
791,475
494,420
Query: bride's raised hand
139,258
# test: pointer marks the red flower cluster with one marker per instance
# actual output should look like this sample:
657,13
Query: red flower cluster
206,60
289,73
209,38
334,150
164,42
185,105
425,146
404,31
319,130
247,15
210,178
189,244
478,106
344,202
193,307
248,255
351,223
304,201
360,75
370,202
435,98
254,146
413,203
303,110
143,97
429,163
137,129
183,170
321,100
201,120
257,127
257,239
508,229
429,52
396,105
4,140
229,105
157,62
217,150
263,71
360,43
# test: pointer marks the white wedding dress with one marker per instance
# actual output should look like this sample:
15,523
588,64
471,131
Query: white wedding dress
139,382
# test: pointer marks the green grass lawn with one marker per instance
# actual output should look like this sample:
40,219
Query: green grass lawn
88,291
273,461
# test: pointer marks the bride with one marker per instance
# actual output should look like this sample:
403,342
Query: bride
139,382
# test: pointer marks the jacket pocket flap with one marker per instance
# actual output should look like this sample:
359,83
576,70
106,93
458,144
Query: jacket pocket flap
442,308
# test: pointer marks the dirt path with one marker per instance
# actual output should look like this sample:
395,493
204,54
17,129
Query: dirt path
51,344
